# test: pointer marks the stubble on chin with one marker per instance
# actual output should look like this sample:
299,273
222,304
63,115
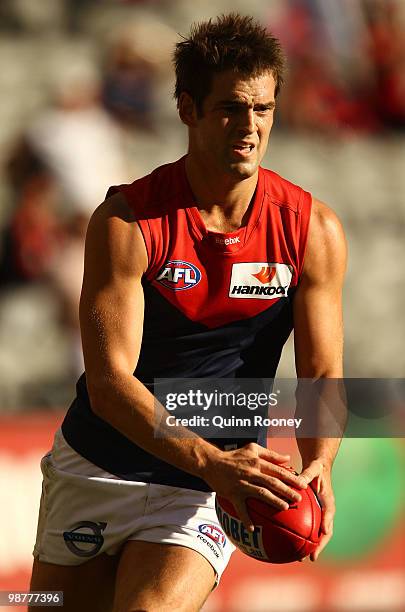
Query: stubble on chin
243,170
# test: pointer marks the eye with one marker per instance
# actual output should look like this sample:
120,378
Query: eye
230,108
264,110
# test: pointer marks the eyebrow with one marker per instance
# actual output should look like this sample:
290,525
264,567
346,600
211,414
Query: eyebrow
265,106
239,103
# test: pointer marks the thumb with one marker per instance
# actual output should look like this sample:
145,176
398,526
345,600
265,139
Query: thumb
314,470
326,523
243,514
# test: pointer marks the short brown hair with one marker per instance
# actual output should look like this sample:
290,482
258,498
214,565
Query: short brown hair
230,42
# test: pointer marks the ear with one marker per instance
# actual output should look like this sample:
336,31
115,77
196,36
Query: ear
187,109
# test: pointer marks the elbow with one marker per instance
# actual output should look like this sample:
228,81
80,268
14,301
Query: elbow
98,392
107,390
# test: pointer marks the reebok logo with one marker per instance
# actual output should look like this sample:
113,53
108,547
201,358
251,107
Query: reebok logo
227,241
260,280
209,544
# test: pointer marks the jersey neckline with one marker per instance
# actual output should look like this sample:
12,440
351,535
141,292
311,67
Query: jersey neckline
229,242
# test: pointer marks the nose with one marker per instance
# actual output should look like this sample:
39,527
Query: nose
247,122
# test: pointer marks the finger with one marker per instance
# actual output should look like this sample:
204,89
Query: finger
323,542
268,497
283,474
241,509
327,521
271,455
277,486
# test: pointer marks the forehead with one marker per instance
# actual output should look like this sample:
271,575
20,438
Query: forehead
232,85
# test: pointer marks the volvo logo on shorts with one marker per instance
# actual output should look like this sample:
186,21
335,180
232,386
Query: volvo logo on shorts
178,275
213,532
85,540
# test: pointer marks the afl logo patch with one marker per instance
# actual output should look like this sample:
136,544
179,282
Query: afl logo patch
213,532
178,275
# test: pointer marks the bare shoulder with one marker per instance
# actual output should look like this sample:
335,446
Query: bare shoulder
114,207
114,233
326,250
325,222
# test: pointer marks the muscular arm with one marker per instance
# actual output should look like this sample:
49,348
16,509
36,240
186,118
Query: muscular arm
111,317
318,334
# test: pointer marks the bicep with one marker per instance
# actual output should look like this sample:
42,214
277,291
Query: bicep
111,304
318,320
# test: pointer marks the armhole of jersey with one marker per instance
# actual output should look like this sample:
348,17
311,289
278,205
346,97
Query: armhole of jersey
304,211
143,224
147,238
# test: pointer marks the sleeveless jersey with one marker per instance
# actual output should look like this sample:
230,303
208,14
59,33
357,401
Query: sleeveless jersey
216,305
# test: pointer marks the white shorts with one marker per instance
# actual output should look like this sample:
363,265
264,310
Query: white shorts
85,512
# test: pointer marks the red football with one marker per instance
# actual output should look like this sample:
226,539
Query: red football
279,536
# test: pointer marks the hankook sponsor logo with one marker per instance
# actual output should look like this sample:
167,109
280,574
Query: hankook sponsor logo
260,280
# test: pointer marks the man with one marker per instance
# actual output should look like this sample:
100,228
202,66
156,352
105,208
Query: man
173,269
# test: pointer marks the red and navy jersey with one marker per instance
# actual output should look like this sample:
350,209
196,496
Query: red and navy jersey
216,304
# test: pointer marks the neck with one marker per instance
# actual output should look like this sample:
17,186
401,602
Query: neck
222,200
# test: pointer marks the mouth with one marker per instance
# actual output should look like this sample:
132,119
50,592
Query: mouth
243,149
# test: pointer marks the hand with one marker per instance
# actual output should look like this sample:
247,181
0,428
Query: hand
253,471
320,475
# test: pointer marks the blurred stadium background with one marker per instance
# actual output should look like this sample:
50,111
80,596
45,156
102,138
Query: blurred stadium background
86,101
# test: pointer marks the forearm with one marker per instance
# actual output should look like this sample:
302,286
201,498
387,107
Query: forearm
322,449
321,403
126,404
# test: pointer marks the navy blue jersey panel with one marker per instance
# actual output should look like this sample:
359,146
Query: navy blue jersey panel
176,347
261,358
